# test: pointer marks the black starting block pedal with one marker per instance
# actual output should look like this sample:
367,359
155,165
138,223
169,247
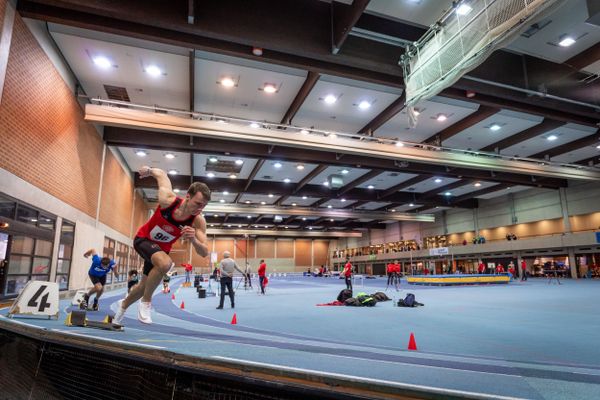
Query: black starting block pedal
78,318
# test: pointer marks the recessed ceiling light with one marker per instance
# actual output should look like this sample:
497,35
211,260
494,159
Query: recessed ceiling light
263,202
598,147
393,210
210,175
438,180
310,228
256,226
399,144
495,127
345,171
176,190
441,117
304,132
477,184
240,225
254,125
226,193
141,153
330,219
229,225
233,176
448,194
294,204
170,156
227,82
329,206
222,201
552,137
102,62
269,88
285,227
303,218
566,42
270,194
287,180
213,159
277,165
216,215
239,162
247,201
304,197
343,200
364,105
153,71
464,9
172,172
370,187
221,121
330,99
300,167
326,183
332,135
211,225
411,205
249,216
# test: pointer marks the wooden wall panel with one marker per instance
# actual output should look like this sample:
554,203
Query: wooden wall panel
285,248
265,248
320,250
222,245
303,253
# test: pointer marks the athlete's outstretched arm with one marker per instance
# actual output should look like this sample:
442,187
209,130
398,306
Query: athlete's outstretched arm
165,190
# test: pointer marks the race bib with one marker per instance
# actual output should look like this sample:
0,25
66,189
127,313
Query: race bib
159,235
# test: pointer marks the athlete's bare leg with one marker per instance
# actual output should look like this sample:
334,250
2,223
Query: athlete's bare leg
162,264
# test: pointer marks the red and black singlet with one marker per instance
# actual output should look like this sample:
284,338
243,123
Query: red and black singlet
163,228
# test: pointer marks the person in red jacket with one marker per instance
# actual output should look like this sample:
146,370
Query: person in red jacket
188,270
262,270
481,268
390,273
347,272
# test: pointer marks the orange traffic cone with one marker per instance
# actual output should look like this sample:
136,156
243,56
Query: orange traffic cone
173,297
412,345
234,319
182,306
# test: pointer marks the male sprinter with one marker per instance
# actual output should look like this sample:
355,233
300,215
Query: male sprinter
173,218
98,270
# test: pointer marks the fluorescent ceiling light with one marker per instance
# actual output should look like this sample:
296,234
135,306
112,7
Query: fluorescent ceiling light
170,156
287,180
102,62
566,42
370,187
364,105
344,171
552,137
172,172
254,125
270,194
399,144
227,82
464,9
141,153
448,194
213,159
233,176
304,197
495,127
239,162
304,132
277,165
438,180
441,117
477,184
300,167
153,70
330,99
326,183
343,200
221,201
225,193
210,175
411,205
269,88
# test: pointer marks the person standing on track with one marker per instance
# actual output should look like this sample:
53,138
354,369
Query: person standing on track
174,217
227,267
262,271
348,274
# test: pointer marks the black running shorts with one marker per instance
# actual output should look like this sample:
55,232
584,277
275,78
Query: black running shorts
98,279
146,248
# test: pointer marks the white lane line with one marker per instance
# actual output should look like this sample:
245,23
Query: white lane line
436,390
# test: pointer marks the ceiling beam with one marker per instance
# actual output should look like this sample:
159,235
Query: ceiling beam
369,175
390,112
545,126
570,146
342,21
481,114
310,81
117,136
412,181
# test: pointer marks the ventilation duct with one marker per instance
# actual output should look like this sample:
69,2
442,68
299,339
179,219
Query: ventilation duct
463,38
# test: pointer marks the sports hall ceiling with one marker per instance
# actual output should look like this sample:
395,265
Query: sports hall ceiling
534,99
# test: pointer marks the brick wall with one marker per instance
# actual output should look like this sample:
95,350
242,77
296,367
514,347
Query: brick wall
45,140
117,196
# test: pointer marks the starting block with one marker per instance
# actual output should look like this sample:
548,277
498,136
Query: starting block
78,318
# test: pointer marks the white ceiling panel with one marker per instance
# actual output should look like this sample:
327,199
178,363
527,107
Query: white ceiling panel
480,135
470,187
299,201
258,198
503,192
246,99
372,205
430,184
289,170
564,134
344,115
201,160
170,89
157,159
350,175
569,21
386,180
428,125
578,155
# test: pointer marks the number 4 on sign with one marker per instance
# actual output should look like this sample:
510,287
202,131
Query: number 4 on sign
38,298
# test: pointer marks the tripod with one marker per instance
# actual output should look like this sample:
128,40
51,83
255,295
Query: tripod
395,280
